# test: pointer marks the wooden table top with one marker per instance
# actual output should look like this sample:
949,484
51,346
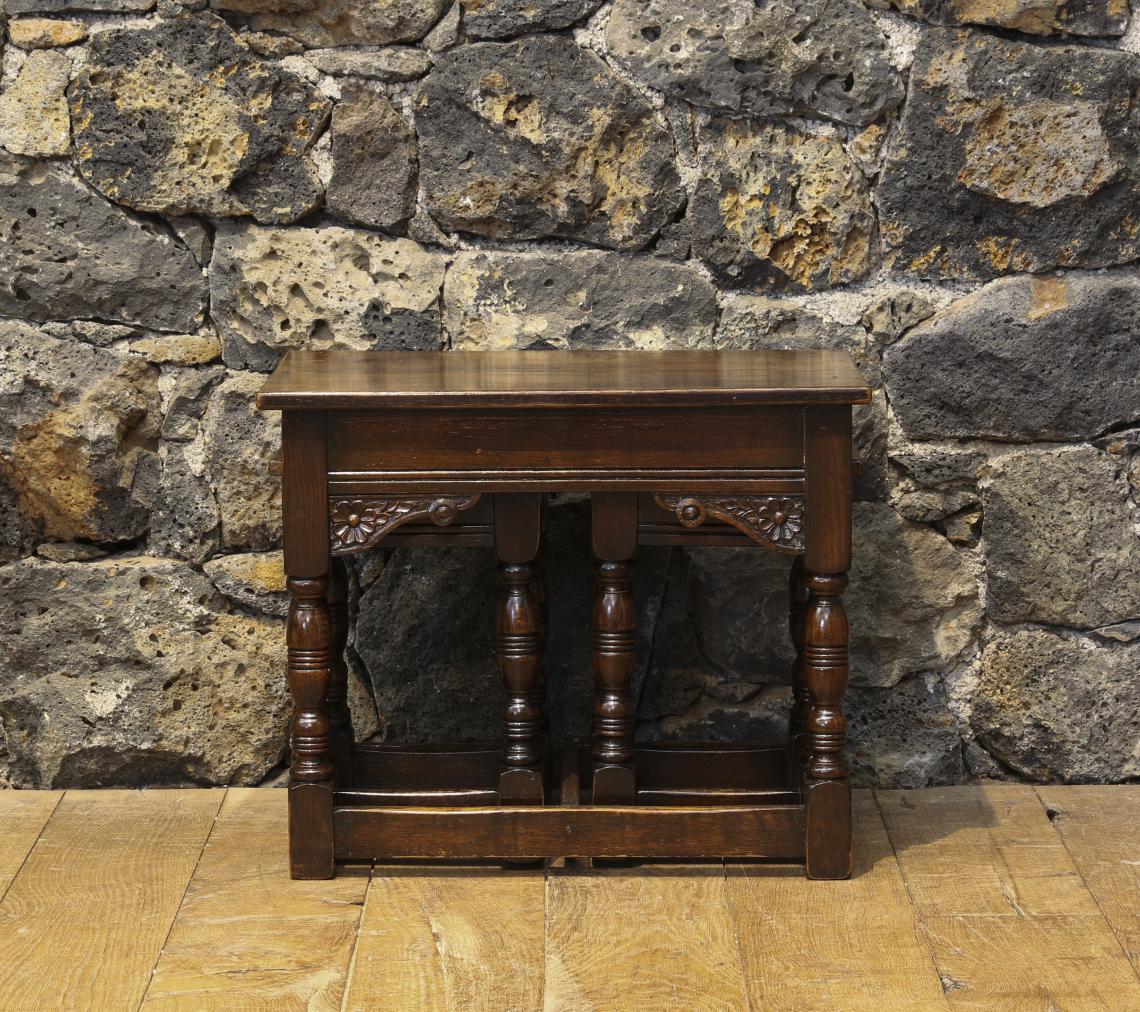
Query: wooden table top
319,380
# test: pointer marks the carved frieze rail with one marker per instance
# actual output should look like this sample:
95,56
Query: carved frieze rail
356,523
776,522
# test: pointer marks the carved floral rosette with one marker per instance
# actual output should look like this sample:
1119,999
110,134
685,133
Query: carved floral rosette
776,522
356,523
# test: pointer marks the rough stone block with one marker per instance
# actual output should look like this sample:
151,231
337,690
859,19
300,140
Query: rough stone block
179,117
538,137
319,23
78,430
44,33
275,289
65,252
238,441
134,672
575,300
499,19
33,109
818,58
1094,18
1062,541
1023,359
1052,706
778,207
374,169
1012,157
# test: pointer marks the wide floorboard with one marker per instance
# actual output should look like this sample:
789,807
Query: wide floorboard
989,897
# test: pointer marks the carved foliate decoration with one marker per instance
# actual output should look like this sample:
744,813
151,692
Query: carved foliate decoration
775,522
357,523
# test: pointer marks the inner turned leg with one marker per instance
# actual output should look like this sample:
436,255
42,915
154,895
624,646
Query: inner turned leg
614,536
340,720
518,646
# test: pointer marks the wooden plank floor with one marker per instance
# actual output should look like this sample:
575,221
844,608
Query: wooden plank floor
992,897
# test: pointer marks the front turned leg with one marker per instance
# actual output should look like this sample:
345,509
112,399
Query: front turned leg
518,647
826,785
309,639
340,720
614,536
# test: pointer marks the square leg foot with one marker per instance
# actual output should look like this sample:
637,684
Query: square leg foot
311,843
828,831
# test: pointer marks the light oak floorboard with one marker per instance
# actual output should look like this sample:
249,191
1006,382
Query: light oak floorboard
450,938
23,815
247,936
83,922
1005,911
834,945
650,938
1101,829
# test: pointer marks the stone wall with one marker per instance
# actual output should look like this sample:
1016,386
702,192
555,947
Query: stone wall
950,190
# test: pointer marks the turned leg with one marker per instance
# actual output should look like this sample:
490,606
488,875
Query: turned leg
827,556
801,700
340,720
825,670
518,646
309,638
614,536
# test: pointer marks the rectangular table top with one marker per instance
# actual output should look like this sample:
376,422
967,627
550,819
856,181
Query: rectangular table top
320,380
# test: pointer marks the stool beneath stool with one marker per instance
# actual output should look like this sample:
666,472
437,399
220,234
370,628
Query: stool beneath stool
458,448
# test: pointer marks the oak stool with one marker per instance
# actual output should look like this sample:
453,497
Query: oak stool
748,448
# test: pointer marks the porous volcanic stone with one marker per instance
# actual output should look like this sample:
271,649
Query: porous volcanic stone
575,300
754,321
133,672
68,6
777,207
538,137
185,521
904,737
237,443
179,349
374,160
33,109
1060,707
1033,17
819,58
394,63
178,117
319,23
184,400
1012,157
275,289
1023,359
498,19
78,426
254,580
1062,545
758,321
44,33
912,601
65,252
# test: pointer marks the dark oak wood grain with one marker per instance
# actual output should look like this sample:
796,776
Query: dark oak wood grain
622,831
534,379
751,449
